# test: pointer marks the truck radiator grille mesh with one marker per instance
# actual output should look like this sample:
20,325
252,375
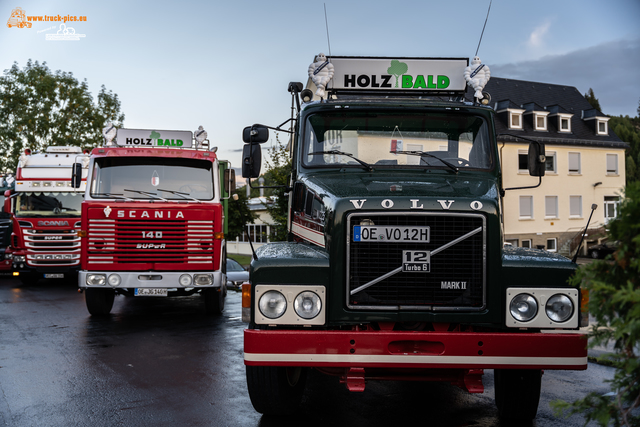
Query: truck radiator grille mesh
125,241
456,277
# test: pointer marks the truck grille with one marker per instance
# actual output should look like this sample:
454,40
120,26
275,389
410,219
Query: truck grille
154,244
50,247
455,282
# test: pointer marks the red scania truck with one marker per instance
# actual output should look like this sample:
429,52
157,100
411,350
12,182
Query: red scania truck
46,213
153,219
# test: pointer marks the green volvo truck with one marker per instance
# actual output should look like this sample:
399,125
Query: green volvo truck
395,267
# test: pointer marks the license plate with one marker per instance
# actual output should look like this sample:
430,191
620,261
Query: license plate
380,233
416,261
151,292
54,276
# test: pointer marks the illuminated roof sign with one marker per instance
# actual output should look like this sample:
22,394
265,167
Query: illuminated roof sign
154,138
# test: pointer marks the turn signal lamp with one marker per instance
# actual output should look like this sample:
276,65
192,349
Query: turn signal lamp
15,273
584,307
82,233
246,302
218,236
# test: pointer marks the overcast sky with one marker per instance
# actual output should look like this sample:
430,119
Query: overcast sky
226,65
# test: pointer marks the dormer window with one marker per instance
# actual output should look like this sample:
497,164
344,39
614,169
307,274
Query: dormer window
603,126
515,121
540,121
536,116
564,123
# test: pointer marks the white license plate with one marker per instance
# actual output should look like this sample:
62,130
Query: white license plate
54,276
151,292
381,233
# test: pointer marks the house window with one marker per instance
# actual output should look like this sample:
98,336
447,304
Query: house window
565,124
602,127
612,164
574,163
551,206
258,233
526,207
550,163
523,162
516,120
551,245
526,243
575,206
541,122
610,207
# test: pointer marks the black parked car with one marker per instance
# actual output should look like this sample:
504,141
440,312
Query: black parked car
602,250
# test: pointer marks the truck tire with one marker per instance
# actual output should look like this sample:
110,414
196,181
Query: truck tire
276,390
517,393
213,300
99,301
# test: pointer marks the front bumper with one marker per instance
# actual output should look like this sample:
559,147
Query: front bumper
150,279
429,350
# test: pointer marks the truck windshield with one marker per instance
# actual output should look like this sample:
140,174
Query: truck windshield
150,178
397,139
48,204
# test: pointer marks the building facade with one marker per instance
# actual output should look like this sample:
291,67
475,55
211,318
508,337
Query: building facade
584,166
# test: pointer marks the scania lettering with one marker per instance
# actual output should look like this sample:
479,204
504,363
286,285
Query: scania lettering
395,266
46,213
154,219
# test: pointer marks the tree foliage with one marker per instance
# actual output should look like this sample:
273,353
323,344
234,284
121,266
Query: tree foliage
628,130
591,97
239,216
614,301
39,108
278,173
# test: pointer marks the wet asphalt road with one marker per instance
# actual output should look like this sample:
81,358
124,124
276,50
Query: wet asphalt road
162,362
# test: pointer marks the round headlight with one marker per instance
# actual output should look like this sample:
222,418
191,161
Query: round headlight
307,305
203,279
523,307
559,308
272,304
114,280
185,280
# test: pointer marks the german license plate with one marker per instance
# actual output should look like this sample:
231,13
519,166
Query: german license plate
151,292
54,276
416,261
382,233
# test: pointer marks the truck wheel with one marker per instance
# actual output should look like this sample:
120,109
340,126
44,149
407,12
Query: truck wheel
517,393
213,300
99,301
275,390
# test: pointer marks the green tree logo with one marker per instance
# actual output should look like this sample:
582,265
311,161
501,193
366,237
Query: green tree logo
154,135
397,69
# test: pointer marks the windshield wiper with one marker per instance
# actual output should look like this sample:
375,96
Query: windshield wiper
367,166
181,194
146,193
119,196
424,153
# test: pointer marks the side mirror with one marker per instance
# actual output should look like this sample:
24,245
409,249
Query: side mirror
229,180
76,175
251,160
255,134
537,159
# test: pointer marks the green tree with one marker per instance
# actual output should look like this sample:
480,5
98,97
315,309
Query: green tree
239,216
397,69
614,301
591,97
39,108
628,130
278,173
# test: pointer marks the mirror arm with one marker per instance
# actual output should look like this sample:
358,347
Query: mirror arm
277,129
523,188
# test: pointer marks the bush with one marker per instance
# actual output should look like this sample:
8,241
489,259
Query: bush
614,301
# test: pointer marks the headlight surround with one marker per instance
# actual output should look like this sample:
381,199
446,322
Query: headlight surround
523,307
185,280
114,280
307,305
272,304
559,308
203,279
96,279
19,258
